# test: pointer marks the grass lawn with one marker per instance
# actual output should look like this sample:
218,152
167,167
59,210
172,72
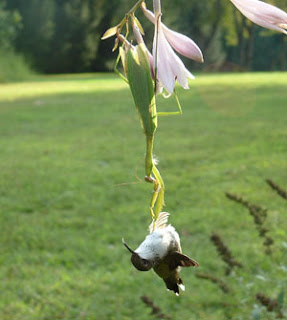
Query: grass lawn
71,186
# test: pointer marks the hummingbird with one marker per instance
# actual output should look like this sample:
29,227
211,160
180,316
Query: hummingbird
161,251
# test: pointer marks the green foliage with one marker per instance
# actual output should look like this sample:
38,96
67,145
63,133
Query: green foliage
64,36
75,50
13,67
70,190
10,23
34,38
228,25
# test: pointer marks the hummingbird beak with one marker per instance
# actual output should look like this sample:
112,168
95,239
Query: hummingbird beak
125,244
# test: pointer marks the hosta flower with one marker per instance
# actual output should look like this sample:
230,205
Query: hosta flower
168,66
263,14
181,43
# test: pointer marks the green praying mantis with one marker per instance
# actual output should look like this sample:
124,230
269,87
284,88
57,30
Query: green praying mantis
138,76
143,87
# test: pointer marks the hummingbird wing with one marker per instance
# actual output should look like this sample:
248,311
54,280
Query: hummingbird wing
160,223
178,259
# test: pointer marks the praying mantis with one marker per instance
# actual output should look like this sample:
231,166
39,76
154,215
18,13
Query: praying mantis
143,85
139,77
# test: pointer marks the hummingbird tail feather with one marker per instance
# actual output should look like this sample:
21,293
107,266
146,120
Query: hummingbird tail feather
160,223
174,284
181,285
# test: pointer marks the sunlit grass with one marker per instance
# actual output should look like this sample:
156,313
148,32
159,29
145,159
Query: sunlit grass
62,84
71,186
89,83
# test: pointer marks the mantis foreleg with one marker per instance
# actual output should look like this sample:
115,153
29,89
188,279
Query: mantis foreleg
117,71
173,112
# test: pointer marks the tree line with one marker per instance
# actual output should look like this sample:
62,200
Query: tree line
60,36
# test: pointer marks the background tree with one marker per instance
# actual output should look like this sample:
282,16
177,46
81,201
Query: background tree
64,35
10,24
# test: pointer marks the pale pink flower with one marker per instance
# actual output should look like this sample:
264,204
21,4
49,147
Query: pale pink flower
263,14
181,43
167,65
169,68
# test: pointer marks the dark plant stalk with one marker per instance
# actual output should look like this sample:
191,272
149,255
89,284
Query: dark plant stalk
221,284
277,188
225,253
155,310
259,215
272,305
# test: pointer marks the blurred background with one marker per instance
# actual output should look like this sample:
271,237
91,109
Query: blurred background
63,36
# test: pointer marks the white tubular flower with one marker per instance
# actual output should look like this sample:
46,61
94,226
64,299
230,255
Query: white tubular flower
183,44
180,43
167,65
263,14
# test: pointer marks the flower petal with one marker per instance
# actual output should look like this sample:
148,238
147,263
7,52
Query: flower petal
181,43
263,14
163,60
169,66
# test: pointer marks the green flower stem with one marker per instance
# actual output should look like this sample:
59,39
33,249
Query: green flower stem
129,13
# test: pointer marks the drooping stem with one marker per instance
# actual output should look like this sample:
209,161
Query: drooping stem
129,13
135,7
156,7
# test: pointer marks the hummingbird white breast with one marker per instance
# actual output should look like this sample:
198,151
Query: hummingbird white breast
159,243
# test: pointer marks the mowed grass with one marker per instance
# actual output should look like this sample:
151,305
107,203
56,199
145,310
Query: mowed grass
71,186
